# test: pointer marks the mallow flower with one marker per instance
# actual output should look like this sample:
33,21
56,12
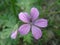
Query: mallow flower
31,22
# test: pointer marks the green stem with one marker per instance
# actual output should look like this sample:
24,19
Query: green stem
13,6
55,12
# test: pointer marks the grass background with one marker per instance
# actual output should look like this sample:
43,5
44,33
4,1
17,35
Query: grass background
9,10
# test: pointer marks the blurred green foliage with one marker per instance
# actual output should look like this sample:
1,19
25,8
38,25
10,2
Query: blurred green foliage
9,10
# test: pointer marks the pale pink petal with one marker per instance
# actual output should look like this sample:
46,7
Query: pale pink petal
24,29
34,13
37,33
14,34
41,23
23,16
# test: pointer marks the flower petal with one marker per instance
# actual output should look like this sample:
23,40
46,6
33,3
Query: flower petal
24,29
34,13
23,16
37,33
41,23
14,34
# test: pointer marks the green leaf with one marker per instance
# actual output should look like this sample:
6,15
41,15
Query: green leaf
7,32
28,38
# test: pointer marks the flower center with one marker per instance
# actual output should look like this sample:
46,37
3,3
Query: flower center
31,22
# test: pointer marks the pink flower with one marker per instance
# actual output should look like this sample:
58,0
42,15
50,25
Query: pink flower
32,22
14,34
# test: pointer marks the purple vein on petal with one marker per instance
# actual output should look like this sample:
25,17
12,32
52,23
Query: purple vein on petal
24,29
23,16
37,33
34,13
41,23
